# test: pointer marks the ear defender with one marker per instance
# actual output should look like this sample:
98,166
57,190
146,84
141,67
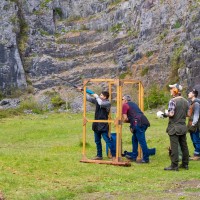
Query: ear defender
175,90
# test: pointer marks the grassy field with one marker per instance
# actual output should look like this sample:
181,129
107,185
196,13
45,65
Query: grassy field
40,154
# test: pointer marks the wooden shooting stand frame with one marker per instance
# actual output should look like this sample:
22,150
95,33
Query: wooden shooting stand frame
117,121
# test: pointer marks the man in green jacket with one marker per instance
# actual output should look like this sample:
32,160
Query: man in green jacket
177,129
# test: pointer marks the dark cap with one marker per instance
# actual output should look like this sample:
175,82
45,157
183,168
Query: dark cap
195,92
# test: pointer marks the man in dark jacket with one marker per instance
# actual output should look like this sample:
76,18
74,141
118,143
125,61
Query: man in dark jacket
100,128
177,129
138,125
194,123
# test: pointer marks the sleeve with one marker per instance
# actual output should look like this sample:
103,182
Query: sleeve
171,108
89,91
90,99
196,113
103,104
125,108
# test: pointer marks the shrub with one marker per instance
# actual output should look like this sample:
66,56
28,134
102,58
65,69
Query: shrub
115,2
116,28
144,71
131,49
57,101
26,104
155,97
30,104
149,53
177,24
58,11
163,34
1,95
176,63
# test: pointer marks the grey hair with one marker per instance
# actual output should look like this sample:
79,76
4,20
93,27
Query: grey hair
127,97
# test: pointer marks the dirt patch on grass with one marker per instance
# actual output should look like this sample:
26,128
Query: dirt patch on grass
189,188
182,190
1,196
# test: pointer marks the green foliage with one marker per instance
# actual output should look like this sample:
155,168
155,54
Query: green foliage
115,2
176,39
131,48
155,97
25,104
197,38
57,101
58,11
30,104
123,75
38,12
14,20
177,24
44,4
15,1
9,113
116,28
74,18
176,63
132,32
84,27
163,34
43,32
1,95
23,36
149,53
144,71
13,92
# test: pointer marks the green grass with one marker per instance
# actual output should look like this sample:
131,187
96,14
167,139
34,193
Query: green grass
40,154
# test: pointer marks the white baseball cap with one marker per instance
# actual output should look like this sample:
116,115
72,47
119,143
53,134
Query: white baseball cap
176,85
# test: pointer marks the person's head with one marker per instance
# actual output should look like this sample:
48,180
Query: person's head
175,89
104,95
126,98
193,94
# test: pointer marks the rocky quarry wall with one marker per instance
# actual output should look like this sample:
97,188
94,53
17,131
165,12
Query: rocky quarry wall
156,41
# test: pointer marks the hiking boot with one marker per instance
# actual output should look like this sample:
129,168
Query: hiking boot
184,166
130,158
170,168
97,158
124,154
143,161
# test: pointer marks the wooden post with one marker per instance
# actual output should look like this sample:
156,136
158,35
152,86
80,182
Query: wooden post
84,123
141,106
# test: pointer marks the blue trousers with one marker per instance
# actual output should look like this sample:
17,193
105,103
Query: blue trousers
196,141
139,137
151,152
97,138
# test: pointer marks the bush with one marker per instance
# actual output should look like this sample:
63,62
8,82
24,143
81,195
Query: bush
30,104
149,53
155,97
57,101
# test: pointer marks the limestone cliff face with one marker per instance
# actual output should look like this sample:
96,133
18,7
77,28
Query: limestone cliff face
11,68
155,41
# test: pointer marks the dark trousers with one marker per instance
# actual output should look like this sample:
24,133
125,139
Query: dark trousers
97,138
175,140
